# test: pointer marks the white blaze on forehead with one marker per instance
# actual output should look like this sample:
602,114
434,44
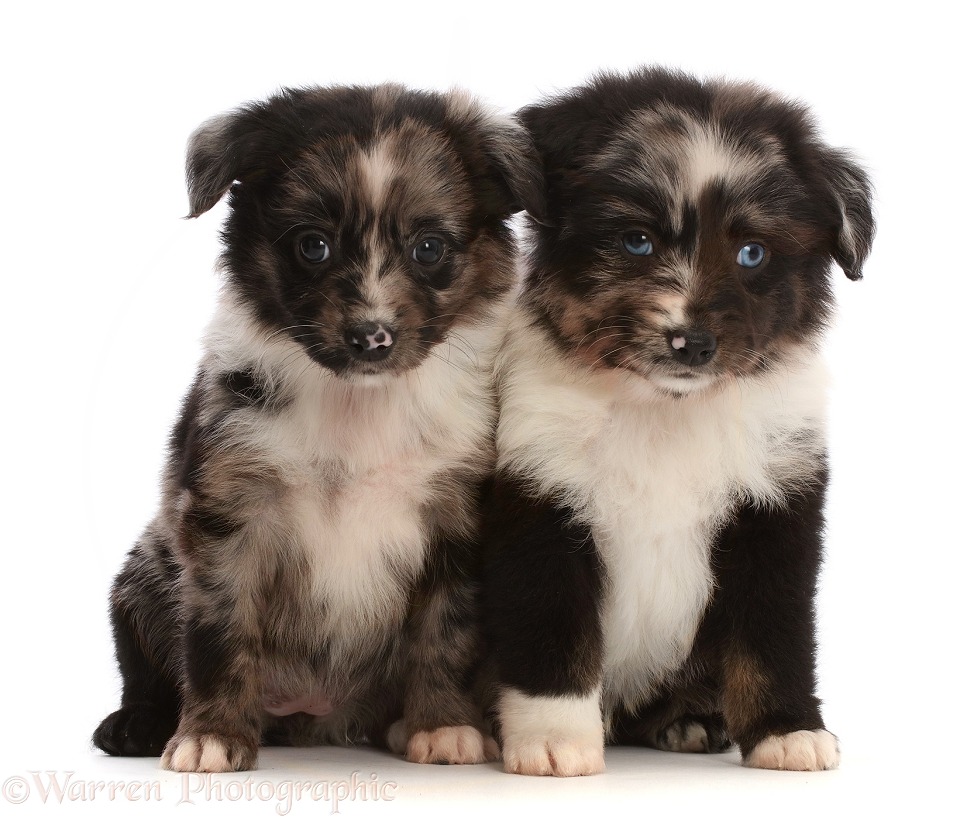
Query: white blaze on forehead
707,157
681,154
378,170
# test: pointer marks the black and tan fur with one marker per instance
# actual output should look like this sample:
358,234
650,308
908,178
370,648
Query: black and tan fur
310,576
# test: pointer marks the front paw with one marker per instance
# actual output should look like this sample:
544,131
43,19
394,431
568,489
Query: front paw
551,736
209,753
460,745
553,756
796,751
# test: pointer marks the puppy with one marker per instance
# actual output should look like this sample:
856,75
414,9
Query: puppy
311,573
656,525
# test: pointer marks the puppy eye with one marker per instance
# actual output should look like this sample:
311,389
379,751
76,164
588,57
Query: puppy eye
751,255
637,244
429,251
314,248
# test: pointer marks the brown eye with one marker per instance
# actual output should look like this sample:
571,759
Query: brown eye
429,251
314,248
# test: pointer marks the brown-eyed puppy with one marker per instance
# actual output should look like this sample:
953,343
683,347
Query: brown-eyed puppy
311,574
656,526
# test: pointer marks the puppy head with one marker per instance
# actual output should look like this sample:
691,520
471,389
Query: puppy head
365,222
689,226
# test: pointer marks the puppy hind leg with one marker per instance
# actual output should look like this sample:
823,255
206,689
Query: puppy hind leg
768,561
698,734
150,703
684,720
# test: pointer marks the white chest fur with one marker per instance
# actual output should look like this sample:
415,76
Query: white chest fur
654,477
349,469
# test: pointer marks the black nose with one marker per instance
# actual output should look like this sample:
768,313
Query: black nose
370,341
692,347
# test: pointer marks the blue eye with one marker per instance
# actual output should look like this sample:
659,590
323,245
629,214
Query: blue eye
751,255
637,244
314,248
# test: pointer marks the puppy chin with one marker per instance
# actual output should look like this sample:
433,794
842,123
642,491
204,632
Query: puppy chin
369,380
678,386
364,374
374,375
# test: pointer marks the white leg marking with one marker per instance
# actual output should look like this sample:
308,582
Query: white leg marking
460,745
551,736
798,751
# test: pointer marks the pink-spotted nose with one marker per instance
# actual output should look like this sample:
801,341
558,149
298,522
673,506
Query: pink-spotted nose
692,347
370,341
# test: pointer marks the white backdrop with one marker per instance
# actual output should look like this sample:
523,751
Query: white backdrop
106,290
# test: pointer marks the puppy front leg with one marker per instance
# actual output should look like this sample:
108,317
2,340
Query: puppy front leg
220,723
768,561
542,589
441,723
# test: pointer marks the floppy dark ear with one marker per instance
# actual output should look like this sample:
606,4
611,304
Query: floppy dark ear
499,155
512,152
559,128
854,195
551,141
227,148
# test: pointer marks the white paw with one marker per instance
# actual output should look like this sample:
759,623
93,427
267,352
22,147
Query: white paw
206,753
797,751
551,736
555,756
691,738
460,745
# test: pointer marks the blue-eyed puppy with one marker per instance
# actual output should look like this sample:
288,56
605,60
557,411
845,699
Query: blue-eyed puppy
656,530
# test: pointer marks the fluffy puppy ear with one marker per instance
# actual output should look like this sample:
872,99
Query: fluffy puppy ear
560,128
851,189
512,151
232,147
500,156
